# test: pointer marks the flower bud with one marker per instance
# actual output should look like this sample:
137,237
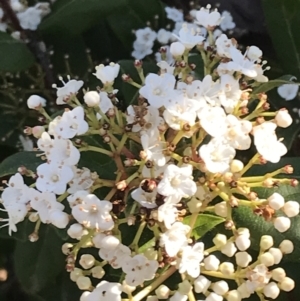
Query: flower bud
286,246
87,261
267,259
177,49
242,242
220,287
233,295
243,259
36,102
92,98
278,274
126,288
220,240
110,242
201,284
37,131
291,208
75,274
66,248
178,297
98,272
236,166
75,231
243,290
282,223
287,284
277,254
283,118
151,254
162,292
276,201
184,287
229,249
83,283
221,209
211,263
194,205
59,219
226,268
266,242
271,290
214,297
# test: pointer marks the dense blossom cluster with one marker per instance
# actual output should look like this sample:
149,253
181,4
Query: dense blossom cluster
187,132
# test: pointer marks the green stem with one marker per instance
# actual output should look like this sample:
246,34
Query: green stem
96,149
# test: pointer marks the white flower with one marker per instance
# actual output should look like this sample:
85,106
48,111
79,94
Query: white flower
145,36
177,182
146,199
82,180
107,74
68,89
174,14
105,291
105,104
190,259
93,213
30,18
288,91
283,118
163,36
158,89
35,102
217,155
189,37
167,213
257,278
141,50
166,54
226,21
208,19
117,256
53,178
72,123
77,197
254,54
174,238
138,269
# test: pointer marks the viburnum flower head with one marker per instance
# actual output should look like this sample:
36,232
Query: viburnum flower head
69,88
72,123
288,91
107,74
53,178
177,182
35,102
94,213
208,19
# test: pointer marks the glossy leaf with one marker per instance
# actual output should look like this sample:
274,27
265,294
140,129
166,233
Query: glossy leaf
204,223
15,56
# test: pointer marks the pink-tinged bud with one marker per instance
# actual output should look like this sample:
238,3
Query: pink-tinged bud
294,182
106,139
122,185
111,113
138,63
36,102
28,130
126,77
182,64
288,169
22,170
162,50
266,106
37,131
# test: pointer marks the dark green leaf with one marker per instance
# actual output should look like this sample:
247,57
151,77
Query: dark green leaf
38,264
271,84
284,33
15,55
197,60
76,16
204,223
11,164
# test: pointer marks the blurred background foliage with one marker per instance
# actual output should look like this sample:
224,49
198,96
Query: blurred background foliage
71,40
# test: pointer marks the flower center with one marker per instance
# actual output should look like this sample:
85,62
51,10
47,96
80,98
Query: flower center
175,182
54,178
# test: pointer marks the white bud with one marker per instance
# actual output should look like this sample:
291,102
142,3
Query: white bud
286,246
243,290
220,287
221,209
267,259
214,297
277,254
266,242
276,201
278,274
201,284
98,272
151,254
287,284
184,287
152,298
178,297
243,231
254,53
87,261
84,296
128,289
83,283
33,217
291,208
177,49
243,259
92,98
37,131
242,242
282,223
271,290
229,249
162,292
35,102
220,240
75,274
283,118
236,166
233,295
75,231
211,263
59,219
194,205
66,248
226,268
110,242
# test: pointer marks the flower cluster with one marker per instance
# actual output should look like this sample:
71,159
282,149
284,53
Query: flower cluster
174,152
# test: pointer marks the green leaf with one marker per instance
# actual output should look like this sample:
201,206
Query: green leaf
197,60
15,56
244,217
76,16
38,264
135,16
204,223
265,87
11,164
284,33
